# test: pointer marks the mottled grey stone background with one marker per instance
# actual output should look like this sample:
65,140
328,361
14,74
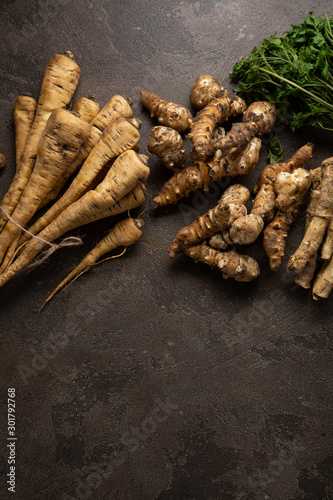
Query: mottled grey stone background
150,378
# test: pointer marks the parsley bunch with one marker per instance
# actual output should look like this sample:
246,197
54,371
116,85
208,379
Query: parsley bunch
293,72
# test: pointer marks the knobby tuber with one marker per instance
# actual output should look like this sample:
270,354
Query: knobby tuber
200,174
205,88
258,119
2,161
168,144
230,263
215,220
264,202
167,113
290,189
217,111
321,218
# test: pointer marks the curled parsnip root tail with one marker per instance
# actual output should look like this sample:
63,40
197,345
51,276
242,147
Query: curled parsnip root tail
119,136
321,218
87,108
167,113
167,144
258,119
205,88
217,111
200,174
116,107
24,115
217,219
127,171
124,233
291,189
264,203
58,147
60,80
91,209
230,263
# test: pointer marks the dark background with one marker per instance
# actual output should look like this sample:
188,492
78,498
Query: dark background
150,378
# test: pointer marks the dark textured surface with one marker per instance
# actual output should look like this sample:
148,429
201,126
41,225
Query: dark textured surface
150,378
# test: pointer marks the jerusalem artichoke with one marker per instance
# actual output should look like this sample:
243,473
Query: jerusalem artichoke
168,144
230,263
168,114
217,111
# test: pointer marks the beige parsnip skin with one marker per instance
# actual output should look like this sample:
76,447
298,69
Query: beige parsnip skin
60,80
24,115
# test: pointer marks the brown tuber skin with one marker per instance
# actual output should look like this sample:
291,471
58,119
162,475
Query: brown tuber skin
168,144
2,161
217,111
232,264
200,174
291,190
264,203
215,220
321,218
205,88
168,114
258,119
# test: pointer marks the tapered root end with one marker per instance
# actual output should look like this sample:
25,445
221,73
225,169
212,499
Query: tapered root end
174,250
158,202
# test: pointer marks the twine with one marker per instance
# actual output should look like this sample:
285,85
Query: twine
66,242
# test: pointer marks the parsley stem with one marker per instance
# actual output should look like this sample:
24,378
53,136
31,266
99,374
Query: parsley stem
302,89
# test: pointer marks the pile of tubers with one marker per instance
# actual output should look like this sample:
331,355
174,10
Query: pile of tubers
278,195
83,164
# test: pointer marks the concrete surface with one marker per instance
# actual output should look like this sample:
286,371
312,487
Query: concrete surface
150,378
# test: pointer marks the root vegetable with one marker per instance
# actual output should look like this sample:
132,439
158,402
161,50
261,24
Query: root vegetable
258,119
323,284
118,137
264,203
291,189
168,114
58,86
319,223
124,233
168,144
24,115
230,263
217,111
205,88
2,161
245,230
304,278
87,108
127,171
58,147
215,220
235,193
200,174
117,107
